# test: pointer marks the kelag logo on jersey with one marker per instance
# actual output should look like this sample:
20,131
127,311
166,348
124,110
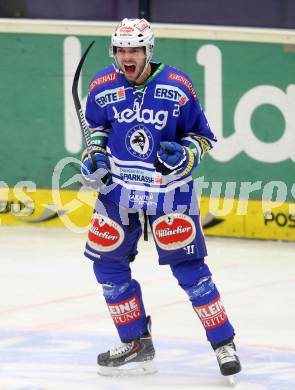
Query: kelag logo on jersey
110,96
157,118
139,142
170,92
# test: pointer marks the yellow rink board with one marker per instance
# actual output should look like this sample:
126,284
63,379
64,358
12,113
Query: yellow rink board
73,210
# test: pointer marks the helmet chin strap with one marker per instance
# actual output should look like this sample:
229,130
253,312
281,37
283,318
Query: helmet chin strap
144,70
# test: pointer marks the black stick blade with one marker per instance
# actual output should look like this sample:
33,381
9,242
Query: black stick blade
77,76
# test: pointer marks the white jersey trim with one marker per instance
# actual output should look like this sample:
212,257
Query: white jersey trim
129,163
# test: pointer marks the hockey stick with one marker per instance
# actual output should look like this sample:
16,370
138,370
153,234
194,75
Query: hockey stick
79,111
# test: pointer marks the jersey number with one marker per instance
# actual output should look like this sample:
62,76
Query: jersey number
190,249
176,111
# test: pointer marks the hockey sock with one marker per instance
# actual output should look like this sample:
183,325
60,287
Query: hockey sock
214,318
123,297
195,278
126,308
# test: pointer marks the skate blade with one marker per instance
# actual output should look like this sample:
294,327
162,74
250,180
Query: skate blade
232,380
131,369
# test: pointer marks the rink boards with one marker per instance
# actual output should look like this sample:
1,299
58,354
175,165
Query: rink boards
245,82
220,217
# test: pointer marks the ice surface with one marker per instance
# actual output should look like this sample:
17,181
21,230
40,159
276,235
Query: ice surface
53,319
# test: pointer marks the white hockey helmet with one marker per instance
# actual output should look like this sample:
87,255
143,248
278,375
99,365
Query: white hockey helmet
133,33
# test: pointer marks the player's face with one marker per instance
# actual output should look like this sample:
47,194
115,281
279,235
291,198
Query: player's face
132,61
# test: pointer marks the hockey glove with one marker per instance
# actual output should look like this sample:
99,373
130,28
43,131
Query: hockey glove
174,159
95,177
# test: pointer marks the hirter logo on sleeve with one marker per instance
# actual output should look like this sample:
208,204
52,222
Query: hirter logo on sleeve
174,231
125,312
104,235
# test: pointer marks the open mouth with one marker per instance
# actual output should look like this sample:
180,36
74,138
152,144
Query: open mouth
129,68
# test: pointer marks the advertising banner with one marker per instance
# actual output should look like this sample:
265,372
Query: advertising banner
220,217
247,90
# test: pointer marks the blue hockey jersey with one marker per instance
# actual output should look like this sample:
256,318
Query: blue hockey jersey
131,120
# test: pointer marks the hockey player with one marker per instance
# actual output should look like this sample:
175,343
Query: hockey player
149,133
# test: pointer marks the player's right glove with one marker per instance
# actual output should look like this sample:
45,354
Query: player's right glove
99,176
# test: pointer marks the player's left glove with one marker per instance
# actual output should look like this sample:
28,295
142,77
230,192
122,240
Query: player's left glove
174,159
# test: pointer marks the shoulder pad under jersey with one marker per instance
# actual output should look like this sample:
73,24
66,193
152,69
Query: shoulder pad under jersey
103,78
179,79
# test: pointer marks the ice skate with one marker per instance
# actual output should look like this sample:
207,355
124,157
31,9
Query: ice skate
135,357
228,361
